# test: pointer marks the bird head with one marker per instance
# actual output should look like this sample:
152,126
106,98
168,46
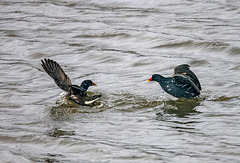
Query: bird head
155,77
87,83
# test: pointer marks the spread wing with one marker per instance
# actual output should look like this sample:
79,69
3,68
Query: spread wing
184,70
185,83
54,70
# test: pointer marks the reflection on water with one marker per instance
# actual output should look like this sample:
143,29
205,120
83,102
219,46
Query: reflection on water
61,113
56,132
181,107
224,98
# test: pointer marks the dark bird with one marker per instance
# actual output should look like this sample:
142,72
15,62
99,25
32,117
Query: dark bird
76,93
183,84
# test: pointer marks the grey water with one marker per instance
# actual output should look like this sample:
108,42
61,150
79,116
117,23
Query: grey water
119,45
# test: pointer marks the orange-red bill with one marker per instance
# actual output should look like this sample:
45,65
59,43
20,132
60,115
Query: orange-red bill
94,84
149,80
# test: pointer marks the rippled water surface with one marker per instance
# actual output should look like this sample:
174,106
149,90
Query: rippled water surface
119,45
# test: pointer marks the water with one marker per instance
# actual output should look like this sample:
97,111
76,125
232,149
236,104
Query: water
119,45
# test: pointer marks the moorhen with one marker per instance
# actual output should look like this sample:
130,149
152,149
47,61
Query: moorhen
76,93
183,84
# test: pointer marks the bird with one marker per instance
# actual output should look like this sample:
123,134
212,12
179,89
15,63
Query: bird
76,93
183,84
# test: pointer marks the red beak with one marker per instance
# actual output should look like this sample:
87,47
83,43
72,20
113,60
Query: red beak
149,80
94,84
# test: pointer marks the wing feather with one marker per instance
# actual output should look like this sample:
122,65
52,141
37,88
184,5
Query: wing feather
54,70
77,90
185,82
184,70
